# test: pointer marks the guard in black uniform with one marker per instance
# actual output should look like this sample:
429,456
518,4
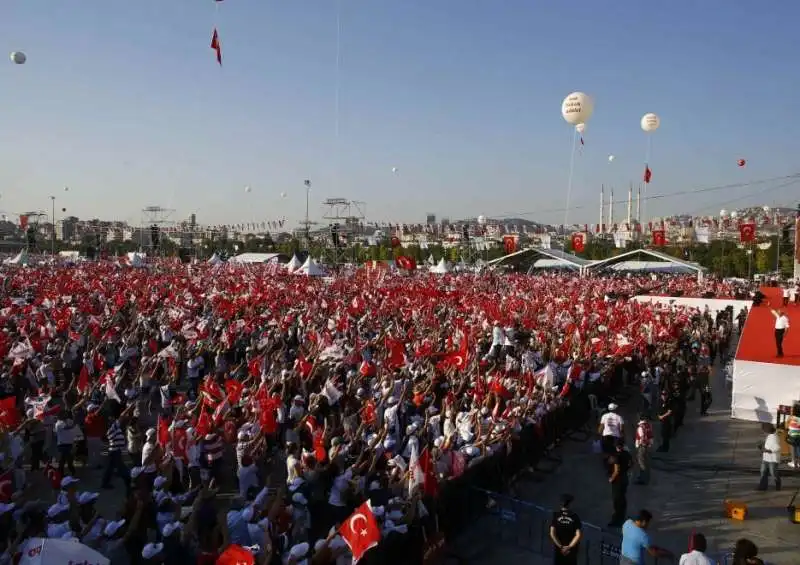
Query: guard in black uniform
565,533
665,417
620,465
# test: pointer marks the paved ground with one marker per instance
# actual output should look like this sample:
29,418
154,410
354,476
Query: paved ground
712,459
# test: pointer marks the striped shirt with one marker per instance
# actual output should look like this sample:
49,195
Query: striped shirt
212,449
116,439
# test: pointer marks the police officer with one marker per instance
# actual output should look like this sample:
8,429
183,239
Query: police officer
620,464
665,413
565,533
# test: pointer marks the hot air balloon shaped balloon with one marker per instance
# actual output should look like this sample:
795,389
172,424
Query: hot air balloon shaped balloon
577,108
610,158
247,189
650,122
18,58
741,162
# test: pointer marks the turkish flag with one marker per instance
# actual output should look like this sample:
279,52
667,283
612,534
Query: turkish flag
179,440
577,242
7,486
236,555
457,359
659,239
162,432
648,174
360,531
216,46
395,354
747,232
9,415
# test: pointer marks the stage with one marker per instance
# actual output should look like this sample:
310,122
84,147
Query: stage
761,380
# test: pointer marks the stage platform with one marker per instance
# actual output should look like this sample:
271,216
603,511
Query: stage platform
761,380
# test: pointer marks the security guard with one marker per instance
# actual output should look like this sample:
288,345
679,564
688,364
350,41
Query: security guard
565,533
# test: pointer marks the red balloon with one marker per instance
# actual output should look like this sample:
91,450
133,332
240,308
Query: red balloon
742,162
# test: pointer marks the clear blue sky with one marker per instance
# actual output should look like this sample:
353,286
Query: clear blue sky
124,103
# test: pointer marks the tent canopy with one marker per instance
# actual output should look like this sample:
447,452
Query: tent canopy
310,269
214,260
441,268
293,264
646,260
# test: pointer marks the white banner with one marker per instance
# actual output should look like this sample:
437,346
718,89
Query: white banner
47,551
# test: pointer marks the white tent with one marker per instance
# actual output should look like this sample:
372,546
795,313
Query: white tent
136,260
310,268
214,260
293,264
441,268
21,258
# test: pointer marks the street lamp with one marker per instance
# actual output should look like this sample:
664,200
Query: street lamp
53,218
307,184
723,215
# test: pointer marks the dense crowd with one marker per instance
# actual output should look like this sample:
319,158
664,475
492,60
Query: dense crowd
238,415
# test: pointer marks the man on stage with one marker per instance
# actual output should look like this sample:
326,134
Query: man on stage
781,327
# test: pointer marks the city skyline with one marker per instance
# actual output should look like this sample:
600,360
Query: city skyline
440,107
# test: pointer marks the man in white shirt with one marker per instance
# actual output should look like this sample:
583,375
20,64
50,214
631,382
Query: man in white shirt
697,555
611,429
781,327
770,457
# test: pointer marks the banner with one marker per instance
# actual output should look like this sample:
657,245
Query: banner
509,244
659,238
47,551
747,232
23,222
578,242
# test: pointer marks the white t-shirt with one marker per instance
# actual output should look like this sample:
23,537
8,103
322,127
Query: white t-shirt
65,432
782,322
772,448
612,424
695,558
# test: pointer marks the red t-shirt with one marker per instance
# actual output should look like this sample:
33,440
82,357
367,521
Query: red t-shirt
94,425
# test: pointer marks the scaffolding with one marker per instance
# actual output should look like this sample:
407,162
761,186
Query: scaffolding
155,219
345,228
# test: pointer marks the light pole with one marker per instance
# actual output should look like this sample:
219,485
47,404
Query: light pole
307,184
53,217
750,262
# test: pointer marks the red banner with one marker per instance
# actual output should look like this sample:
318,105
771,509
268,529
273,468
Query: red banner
659,238
578,242
23,222
510,243
747,232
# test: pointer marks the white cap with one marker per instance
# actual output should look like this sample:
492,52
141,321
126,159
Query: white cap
152,549
68,480
612,406
171,528
159,481
300,550
150,433
56,509
113,527
87,497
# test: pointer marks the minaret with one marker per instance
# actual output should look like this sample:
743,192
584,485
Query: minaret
602,202
611,209
630,202
639,204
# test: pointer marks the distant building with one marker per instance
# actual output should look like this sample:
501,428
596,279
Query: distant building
430,219
66,229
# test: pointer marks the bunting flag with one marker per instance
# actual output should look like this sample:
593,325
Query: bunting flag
215,44
648,174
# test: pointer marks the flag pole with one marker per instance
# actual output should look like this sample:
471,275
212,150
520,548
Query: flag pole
569,180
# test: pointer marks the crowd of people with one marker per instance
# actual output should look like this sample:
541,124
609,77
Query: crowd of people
221,414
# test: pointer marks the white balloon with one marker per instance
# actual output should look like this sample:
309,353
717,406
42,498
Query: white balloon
18,58
482,220
283,195
723,213
580,128
577,108
247,189
394,169
610,158
650,122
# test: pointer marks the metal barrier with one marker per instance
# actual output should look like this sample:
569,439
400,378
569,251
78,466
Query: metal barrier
526,525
